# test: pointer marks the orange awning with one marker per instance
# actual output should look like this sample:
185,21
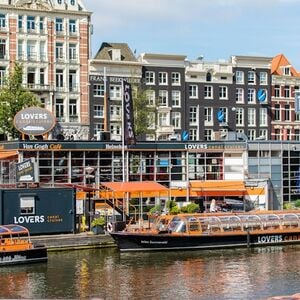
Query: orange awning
135,186
218,188
8,154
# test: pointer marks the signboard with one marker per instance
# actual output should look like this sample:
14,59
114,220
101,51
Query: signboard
34,121
220,115
25,171
262,95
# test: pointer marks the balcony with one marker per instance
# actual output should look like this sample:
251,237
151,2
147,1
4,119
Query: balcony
73,119
37,87
74,88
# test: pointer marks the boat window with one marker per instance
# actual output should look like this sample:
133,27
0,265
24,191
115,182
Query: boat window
27,205
180,227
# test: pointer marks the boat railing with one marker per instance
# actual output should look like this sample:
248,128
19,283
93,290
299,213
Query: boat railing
291,220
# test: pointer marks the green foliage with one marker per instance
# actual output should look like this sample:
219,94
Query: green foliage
191,208
172,207
297,203
142,111
100,221
155,209
288,205
13,98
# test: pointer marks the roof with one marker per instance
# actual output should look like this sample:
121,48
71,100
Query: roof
280,61
12,229
104,52
135,186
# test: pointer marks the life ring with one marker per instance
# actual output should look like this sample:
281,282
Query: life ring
109,227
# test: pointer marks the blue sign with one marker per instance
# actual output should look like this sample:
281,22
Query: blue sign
220,115
185,135
261,95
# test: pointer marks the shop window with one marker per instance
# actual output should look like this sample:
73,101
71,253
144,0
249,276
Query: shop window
27,205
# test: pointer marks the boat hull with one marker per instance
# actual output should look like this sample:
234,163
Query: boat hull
34,255
127,241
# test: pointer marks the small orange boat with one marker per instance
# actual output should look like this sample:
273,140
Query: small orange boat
17,248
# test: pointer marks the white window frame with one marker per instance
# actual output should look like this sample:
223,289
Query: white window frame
115,92
98,90
150,77
223,92
176,78
208,116
240,116
251,117
239,95
263,116
263,78
251,96
239,77
162,78
193,91
176,119
176,98
163,98
251,77
27,205
208,92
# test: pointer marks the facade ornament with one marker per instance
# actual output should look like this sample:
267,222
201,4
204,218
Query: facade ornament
35,4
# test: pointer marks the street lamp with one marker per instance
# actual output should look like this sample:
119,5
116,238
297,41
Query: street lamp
88,170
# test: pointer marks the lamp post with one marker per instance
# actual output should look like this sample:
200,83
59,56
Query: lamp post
88,170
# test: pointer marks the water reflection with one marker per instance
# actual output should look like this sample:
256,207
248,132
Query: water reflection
106,274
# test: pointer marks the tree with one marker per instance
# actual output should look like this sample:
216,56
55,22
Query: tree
144,114
13,98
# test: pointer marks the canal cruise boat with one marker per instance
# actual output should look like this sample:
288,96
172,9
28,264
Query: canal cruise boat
211,230
17,248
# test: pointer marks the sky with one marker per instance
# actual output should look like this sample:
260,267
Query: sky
214,29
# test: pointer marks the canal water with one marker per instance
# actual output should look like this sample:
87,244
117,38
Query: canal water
106,274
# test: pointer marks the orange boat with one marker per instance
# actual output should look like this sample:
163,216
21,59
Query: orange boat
17,248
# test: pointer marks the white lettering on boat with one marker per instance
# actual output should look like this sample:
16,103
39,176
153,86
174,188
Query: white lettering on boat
154,242
12,258
269,239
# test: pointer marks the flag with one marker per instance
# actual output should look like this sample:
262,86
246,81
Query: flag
128,122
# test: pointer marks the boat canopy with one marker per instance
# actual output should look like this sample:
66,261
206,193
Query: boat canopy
13,230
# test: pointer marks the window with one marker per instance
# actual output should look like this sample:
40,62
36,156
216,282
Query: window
98,111
239,77
150,77
176,97
59,25
239,116
277,91
31,76
251,77
287,71
223,92
72,52
287,92
72,2
263,117
163,78
263,134
115,112
208,116
175,78
193,134
193,91
30,23
59,109
239,95
208,92
225,114
2,48
163,119
176,120
251,96
115,92
287,112
42,76
73,110
43,52
20,23
193,115
27,205
277,112
31,50
151,97
251,134
297,134
163,98
263,78
72,26
41,24
2,75
73,81
2,21
115,129
99,90
59,1
208,77
251,117
59,78
277,135
208,134
59,51
98,127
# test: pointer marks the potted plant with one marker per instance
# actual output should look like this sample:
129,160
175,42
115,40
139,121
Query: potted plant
98,225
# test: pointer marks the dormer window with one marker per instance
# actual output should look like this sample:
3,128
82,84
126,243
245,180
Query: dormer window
115,54
59,1
286,71
208,76
72,2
